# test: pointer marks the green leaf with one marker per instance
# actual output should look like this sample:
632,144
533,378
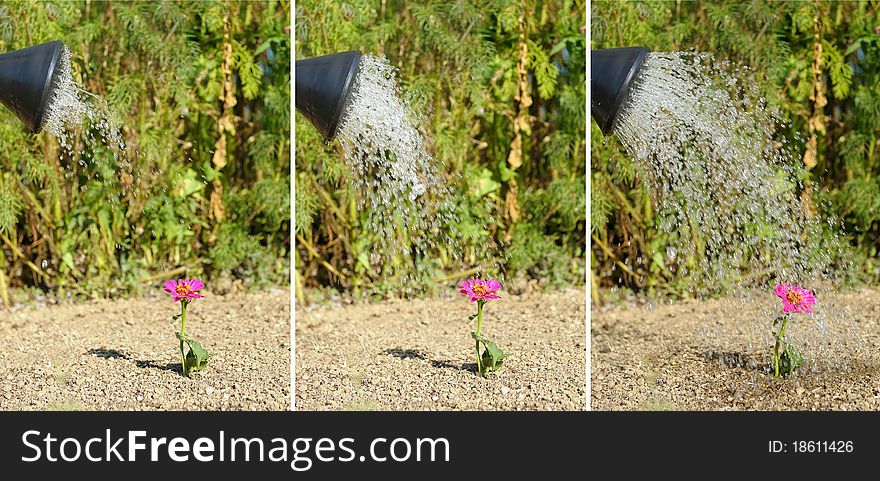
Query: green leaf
544,70
364,261
470,319
249,73
838,69
67,258
268,43
197,357
853,47
790,359
486,184
492,357
559,46
658,259
495,355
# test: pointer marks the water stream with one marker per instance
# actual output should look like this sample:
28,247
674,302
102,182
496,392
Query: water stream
83,123
401,185
733,205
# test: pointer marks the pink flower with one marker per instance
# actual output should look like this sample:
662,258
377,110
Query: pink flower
184,289
795,298
478,289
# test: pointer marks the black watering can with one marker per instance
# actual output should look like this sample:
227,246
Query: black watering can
323,85
27,79
612,73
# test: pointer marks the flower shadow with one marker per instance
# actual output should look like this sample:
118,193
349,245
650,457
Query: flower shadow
420,355
734,359
145,364
464,366
105,353
405,353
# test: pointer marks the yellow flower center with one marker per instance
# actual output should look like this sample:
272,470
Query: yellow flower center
182,289
481,289
793,297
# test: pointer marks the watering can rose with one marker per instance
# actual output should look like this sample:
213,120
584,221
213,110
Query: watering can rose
185,291
482,291
795,300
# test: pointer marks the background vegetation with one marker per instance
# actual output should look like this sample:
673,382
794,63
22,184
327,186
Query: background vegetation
203,92
817,61
503,84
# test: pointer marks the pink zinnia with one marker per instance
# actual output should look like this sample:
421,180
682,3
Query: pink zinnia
795,298
184,289
478,289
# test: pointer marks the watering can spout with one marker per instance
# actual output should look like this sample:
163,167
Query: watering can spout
323,86
27,79
612,73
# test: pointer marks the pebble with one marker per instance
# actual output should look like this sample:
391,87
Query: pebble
209,390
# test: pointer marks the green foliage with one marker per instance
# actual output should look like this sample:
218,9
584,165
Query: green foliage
493,356
780,42
72,226
790,360
459,60
786,357
196,357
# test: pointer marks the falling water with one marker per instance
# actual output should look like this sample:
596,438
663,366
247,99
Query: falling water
380,134
409,201
83,122
736,213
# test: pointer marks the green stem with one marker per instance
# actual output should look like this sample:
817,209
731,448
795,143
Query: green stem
479,326
183,336
776,345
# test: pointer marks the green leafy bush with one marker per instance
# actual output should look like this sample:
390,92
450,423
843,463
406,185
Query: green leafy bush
518,170
211,200
817,62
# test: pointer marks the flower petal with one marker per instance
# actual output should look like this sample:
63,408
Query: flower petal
782,289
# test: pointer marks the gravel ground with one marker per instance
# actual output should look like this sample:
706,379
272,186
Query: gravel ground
418,355
122,355
709,355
